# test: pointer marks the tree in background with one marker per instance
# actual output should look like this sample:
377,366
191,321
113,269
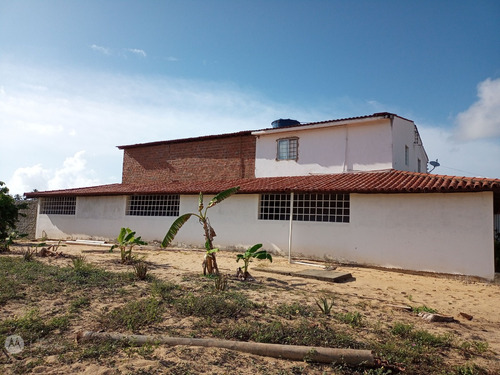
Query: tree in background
9,214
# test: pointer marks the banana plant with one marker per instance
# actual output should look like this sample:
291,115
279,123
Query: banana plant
126,241
252,253
210,262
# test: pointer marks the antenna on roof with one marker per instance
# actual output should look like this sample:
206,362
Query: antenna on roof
434,164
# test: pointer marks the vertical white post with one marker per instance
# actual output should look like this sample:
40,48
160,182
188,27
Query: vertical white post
290,230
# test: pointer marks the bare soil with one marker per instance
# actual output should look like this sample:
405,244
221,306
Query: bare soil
372,293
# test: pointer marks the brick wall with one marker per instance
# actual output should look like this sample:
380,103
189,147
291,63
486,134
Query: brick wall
27,224
193,160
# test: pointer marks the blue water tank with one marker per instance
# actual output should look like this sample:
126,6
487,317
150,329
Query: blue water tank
284,122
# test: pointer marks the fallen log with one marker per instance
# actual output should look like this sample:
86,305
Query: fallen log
352,357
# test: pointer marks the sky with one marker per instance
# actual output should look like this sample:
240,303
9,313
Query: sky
78,78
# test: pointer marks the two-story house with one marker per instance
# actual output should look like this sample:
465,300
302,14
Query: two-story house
352,190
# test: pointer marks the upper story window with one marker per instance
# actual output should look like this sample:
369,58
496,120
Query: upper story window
419,165
58,206
153,205
407,155
288,149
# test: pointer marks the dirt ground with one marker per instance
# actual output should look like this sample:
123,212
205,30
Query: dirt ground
375,289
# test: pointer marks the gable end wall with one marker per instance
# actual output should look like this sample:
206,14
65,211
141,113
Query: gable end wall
219,159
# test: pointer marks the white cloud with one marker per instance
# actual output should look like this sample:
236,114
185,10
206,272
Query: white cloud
473,158
73,173
482,119
136,51
26,179
101,49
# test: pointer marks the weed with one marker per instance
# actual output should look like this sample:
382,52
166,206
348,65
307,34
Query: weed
220,283
78,304
419,309
299,333
99,349
217,306
141,269
421,337
290,311
29,253
164,290
325,305
469,369
32,326
133,315
470,348
354,319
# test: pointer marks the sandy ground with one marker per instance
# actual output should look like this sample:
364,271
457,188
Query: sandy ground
371,287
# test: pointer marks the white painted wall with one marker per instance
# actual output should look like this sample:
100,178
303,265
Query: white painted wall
337,148
403,134
426,232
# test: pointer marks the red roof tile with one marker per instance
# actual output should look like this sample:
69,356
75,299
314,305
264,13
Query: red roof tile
391,181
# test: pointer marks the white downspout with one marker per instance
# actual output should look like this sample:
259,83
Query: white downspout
290,230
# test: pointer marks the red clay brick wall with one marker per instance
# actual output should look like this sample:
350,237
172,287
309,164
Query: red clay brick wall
217,159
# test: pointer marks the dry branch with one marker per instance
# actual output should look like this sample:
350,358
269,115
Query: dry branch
291,352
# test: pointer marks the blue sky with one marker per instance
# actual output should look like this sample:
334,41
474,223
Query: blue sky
78,78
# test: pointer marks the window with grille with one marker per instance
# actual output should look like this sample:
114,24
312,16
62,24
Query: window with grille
153,205
333,208
58,206
288,149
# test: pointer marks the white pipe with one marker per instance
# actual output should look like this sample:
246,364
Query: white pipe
308,264
290,230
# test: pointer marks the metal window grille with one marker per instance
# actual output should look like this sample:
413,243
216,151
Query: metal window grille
333,208
288,149
153,205
58,206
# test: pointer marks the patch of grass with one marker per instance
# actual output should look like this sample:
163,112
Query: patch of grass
419,309
99,349
217,306
32,326
133,315
166,291
293,310
17,277
302,332
470,348
420,337
469,369
78,304
354,319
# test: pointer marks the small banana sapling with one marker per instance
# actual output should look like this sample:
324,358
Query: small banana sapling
247,256
210,262
126,241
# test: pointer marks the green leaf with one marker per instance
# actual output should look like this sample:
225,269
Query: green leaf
254,248
121,236
211,251
223,195
174,228
200,202
263,255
